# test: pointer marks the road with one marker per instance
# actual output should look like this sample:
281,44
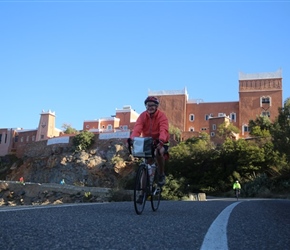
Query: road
214,224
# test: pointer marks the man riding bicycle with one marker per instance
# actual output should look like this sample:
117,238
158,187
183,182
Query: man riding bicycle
154,123
237,186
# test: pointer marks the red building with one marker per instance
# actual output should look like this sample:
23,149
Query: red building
259,94
14,140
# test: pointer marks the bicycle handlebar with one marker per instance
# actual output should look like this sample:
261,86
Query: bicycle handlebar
154,146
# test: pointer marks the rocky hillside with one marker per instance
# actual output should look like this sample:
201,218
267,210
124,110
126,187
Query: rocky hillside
106,165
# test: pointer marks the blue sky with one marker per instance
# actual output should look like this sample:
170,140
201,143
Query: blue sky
84,59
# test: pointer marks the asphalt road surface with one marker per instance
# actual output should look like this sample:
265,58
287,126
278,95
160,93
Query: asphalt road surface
207,225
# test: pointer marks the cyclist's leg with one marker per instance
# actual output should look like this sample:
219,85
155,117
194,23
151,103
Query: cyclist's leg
159,154
237,192
160,160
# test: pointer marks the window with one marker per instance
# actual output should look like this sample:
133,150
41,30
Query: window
125,127
203,129
221,114
265,100
109,127
33,138
266,113
42,137
21,139
191,117
191,129
233,117
27,138
246,128
87,126
214,127
16,138
5,139
212,134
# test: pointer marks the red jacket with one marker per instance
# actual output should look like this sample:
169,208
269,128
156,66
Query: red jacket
155,126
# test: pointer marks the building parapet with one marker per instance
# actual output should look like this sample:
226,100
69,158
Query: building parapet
96,130
168,92
266,75
48,112
104,119
127,110
195,101
24,130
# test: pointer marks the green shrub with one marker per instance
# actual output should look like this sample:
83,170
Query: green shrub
174,189
83,140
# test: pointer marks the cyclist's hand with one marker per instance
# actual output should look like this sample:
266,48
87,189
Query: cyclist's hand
130,142
129,145
160,144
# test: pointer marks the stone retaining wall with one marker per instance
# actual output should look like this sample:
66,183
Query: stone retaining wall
197,196
13,193
33,189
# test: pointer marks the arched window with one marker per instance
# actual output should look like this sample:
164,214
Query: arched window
265,100
191,117
233,117
245,128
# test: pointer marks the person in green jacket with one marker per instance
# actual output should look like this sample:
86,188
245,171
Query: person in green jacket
237,186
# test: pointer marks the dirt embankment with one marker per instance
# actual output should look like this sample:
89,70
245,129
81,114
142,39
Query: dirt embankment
14,193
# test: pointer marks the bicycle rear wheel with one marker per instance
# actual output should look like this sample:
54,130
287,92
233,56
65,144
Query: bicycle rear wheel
155,193
237,194
140,189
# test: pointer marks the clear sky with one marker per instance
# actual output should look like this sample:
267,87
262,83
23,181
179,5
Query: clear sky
85,59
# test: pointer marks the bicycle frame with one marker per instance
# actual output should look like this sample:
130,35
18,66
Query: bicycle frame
237,193
143,186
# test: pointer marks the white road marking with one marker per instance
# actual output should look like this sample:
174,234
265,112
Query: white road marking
216,236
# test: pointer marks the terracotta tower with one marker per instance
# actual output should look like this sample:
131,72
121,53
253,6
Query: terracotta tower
46,127
260,94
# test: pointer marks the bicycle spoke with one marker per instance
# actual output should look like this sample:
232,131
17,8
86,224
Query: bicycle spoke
140,189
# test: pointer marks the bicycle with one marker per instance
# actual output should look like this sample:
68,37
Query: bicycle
237,193
146,180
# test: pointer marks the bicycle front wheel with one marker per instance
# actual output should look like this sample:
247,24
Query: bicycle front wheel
140,192
155,193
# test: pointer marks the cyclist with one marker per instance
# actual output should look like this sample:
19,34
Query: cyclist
237,186
154,123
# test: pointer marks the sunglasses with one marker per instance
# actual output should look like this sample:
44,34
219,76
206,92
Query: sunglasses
151,105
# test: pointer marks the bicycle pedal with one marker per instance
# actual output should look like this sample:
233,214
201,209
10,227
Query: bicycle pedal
156,191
